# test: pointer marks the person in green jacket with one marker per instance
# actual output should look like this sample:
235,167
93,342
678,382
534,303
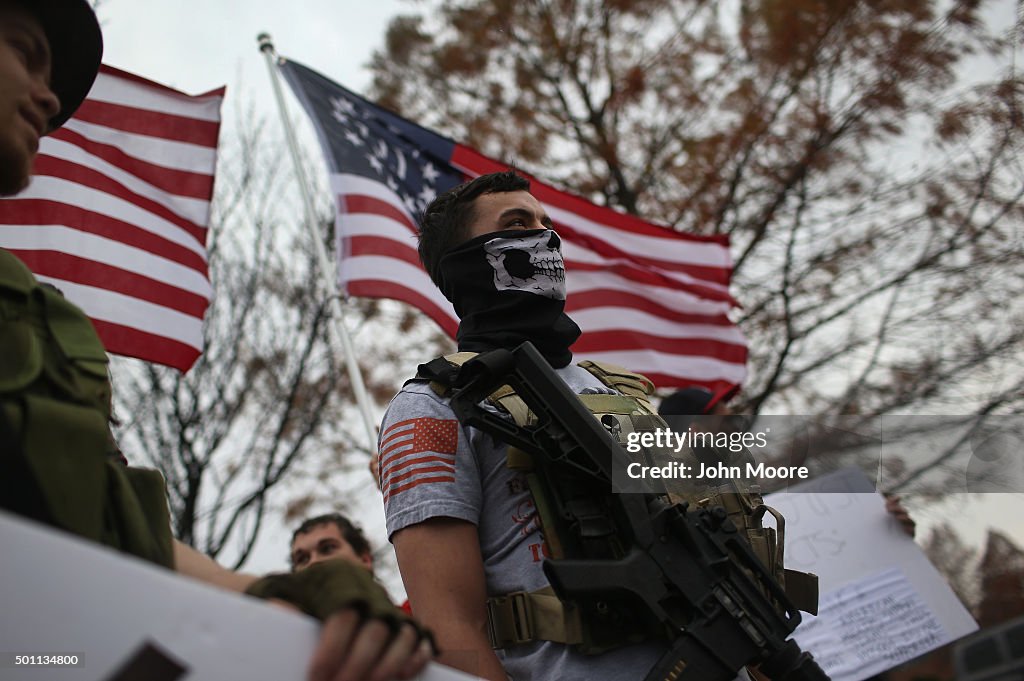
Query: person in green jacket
59,464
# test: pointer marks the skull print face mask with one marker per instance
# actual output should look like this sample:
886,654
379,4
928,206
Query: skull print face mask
509,287
530,263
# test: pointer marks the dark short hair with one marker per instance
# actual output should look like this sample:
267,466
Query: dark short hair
446,220
350,533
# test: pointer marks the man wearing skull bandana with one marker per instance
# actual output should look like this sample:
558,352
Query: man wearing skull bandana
462,522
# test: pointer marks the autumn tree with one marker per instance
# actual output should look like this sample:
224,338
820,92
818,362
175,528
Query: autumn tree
864,157
956,561
1002,581
990,585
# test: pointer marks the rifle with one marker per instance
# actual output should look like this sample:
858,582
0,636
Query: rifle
691,571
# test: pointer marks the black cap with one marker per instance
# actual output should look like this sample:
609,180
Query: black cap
696,400
690,401
76,47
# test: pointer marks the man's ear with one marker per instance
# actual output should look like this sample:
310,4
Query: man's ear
366,558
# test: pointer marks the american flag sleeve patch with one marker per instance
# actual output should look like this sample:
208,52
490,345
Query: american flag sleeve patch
416,452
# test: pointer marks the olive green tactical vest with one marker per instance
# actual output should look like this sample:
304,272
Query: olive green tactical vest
521,617
58,461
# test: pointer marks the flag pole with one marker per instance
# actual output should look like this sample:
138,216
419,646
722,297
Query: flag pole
337,310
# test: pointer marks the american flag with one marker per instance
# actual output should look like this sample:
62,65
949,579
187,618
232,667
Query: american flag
117,211
416,452
646,297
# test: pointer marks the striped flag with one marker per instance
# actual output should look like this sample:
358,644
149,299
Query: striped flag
416,452
646,297
117,211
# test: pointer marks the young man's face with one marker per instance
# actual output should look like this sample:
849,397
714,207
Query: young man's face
506,210
324,542
26,101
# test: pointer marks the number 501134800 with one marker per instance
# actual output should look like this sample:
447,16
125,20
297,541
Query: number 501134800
47,660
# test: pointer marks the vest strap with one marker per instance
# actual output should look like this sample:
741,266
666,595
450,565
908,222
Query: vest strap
609,404
507,399
525,616
626,381
518,460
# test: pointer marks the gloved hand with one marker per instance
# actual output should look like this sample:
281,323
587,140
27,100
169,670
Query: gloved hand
364,636
333,585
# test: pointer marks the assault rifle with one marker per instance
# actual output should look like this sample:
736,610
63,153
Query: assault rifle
689,570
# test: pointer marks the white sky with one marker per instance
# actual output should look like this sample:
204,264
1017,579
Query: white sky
199,45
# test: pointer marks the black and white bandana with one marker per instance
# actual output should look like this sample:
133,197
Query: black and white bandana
509,287
531,263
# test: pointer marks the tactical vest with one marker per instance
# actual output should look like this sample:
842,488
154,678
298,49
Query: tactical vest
58,461
522,617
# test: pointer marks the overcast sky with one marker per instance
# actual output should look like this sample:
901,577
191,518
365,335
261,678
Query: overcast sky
199,45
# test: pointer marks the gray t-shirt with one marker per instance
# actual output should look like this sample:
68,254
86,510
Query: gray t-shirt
431,466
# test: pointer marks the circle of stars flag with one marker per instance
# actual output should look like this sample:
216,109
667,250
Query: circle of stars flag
645,296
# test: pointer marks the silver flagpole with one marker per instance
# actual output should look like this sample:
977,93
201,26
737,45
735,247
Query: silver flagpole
340,330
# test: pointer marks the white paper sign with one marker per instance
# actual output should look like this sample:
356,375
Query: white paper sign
882,602
868,626
64,596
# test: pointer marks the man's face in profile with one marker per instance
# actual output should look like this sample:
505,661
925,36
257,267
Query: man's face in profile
26,102
325,542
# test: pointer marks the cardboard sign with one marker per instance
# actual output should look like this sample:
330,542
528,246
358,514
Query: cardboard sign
88,613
